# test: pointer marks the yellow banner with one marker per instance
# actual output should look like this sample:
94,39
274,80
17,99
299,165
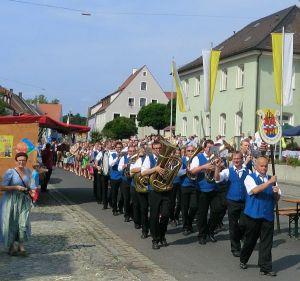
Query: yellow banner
214,62
6,146
180,99
277,42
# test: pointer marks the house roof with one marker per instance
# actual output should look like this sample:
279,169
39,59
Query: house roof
52,110
118,91
256,36
169,95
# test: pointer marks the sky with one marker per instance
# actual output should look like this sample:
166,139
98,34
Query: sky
60,53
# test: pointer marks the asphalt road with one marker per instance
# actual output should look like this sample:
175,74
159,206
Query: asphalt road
184,258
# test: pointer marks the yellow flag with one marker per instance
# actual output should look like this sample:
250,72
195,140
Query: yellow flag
277,63
214,62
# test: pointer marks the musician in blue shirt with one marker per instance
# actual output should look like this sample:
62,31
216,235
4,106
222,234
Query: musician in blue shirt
259,216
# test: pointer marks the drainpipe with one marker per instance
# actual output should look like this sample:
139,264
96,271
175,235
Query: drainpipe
257,91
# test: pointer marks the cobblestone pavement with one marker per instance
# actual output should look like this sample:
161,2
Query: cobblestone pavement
67,243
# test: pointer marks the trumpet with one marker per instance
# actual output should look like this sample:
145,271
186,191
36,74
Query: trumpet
188,172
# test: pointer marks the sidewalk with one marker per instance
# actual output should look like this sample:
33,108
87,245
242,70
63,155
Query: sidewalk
68,243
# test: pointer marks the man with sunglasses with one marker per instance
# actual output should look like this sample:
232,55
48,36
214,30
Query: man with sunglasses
159,201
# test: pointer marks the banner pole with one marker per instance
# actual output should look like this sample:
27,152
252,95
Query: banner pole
273,173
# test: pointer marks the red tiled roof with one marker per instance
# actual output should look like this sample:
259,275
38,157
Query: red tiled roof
169,95
52,110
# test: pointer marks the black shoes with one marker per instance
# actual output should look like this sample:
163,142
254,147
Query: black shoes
236,253
187,232
243,265
268,273
144,235
115,213
164,242
127,219
202,241
212,238
137,226
174,223
155,245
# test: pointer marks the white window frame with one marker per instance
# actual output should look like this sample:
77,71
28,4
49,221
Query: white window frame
207,125
222,124
197,86
290,118
184,127
196,125
240,76
114,115
185,87
238,123
133,102
140,101
154,100
141,86
224,79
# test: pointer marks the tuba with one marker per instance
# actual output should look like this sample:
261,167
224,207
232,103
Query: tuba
217,155
141,183
171,163
131,161
188,173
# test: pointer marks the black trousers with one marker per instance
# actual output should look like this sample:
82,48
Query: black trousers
95,182
222,193
159,214
236,220
262,229
103,184
115,186
125,190
207,201
175,202
189,199
136,207
46,179
143,199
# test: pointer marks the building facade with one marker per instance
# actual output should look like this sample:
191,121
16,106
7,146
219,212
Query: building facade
245,82
138,90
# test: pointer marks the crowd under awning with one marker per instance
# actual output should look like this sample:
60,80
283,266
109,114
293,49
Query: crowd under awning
45,121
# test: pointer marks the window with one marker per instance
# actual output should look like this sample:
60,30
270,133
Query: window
196,125
222,125
154,101
144,73
143,102
197,86
240,76
143,86
116,115
184,126
287,118
133,117
238,123
223,81
131,101
185,87
207,125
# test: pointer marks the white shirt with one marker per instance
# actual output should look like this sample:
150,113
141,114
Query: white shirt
99,156
195,162
250,183
146,164
111,160
224,174
137,164
121,164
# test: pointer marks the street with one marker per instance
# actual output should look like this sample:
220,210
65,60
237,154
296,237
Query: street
184,259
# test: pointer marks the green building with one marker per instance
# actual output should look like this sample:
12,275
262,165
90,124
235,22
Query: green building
244,83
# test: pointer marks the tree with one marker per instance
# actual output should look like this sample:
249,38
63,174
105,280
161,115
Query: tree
55,101
3,110
168,112
153,115
75,119
38,99
119,128
95,136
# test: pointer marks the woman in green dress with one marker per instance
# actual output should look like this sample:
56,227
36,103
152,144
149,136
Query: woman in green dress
15,206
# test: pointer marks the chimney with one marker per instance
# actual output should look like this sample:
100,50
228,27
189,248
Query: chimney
20,94
134,70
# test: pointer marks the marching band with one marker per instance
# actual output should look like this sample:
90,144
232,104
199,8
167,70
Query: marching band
152,187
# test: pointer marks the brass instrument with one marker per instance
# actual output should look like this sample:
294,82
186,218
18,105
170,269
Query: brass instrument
131,161
141,183
171,163
216,156
188,172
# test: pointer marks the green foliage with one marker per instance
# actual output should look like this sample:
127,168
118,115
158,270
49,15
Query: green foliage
55,101
95,136
292,146
153,115
168,112
119,128
3,110
75,119
294,162
38,99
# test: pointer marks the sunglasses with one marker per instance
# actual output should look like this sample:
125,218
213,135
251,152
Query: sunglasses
190,150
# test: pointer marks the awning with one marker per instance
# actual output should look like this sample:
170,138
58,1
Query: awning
44,122
292,132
